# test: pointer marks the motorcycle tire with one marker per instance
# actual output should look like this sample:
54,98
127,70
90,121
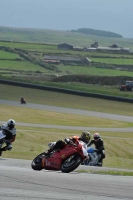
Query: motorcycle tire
67,167
37,162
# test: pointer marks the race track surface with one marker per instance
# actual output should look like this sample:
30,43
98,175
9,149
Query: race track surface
18,182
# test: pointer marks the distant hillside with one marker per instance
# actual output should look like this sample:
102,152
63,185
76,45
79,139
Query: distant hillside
56,37
89,31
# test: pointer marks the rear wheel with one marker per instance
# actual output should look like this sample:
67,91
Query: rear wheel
71,163
37,162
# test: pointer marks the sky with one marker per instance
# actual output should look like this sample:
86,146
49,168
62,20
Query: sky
108,15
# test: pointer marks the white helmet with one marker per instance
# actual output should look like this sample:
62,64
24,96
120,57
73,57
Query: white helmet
96,136
11,123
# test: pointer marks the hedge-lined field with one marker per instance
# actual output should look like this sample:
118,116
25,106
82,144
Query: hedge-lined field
24,62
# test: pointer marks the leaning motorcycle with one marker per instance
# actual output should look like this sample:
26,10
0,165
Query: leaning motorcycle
65,160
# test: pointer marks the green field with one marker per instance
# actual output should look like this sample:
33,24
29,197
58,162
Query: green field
118,61
20,65
24,62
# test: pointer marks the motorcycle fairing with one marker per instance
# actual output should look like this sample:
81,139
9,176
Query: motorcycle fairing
54,162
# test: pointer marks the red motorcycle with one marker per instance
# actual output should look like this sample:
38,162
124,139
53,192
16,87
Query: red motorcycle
65,160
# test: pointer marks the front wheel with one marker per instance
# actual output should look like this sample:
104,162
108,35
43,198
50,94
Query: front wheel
71,163
37,162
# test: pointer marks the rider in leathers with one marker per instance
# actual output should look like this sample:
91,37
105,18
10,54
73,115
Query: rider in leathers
83,140
99,145
10,131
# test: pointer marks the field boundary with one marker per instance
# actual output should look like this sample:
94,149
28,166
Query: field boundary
66,91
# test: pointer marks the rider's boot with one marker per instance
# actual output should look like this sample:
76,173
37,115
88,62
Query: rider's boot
100,161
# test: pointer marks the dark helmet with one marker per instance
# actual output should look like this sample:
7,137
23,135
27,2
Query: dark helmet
85,136
96,136
11,123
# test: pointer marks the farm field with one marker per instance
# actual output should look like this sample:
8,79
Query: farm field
24,62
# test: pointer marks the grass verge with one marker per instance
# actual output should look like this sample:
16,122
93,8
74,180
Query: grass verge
118,173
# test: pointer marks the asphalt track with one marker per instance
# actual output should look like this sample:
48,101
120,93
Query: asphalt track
72,111
19,182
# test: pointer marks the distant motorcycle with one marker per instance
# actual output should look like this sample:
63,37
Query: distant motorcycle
93,159
65,160
22,101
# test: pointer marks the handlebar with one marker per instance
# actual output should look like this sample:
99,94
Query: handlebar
70,141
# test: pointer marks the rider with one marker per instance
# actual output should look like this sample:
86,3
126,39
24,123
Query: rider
99,145
10,131
22,100
83,140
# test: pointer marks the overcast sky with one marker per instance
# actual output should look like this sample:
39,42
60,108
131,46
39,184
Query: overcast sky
109,15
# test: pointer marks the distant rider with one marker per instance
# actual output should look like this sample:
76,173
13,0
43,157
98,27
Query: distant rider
99,145
22,101
10,131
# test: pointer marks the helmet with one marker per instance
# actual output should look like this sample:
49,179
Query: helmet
85,136
11,123
96,136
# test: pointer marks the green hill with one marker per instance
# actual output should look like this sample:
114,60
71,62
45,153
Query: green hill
100,33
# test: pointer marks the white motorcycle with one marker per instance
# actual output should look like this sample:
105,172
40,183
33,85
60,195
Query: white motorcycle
93,159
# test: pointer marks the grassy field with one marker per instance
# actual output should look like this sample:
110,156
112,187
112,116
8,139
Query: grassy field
36,116
120,61
59,99
24,62
32,141
22,66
